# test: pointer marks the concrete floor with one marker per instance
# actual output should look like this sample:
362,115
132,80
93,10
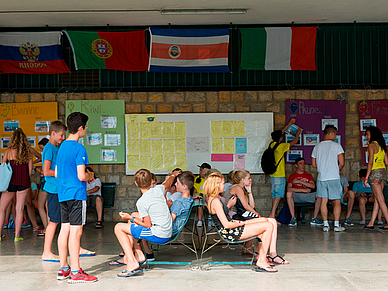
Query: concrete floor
356,259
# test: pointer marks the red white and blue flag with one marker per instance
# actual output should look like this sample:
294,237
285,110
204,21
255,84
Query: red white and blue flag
189,50
31,53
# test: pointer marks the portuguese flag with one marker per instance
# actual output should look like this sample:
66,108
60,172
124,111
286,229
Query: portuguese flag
123,51
278,48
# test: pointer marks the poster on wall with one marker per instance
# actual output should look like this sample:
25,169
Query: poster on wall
372,113
312,116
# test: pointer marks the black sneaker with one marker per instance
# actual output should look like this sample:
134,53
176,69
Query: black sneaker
150,257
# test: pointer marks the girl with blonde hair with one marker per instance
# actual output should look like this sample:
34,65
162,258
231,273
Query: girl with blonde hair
236,230
18,154
245,203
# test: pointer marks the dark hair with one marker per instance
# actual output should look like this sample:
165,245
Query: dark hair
299,159
377,136
186,178
90,170
362,173
329,129
75,120
43,141
276,135
176,169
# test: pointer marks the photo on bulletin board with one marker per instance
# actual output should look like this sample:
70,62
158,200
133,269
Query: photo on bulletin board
31,140
109,122
385,135
366,157
290,138
11,125
94,139
310,139
365,142
333,122
42,126
337,139
365,123
292,155
4,142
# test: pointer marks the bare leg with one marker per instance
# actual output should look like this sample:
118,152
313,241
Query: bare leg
7,213
200,212
379,197
30,208
361,206
99,208
336,209
122,230
375,210
317,206
20,199
350,199
63,241
5,200
290,202
275,204
324,208
42,198
74,245
48,240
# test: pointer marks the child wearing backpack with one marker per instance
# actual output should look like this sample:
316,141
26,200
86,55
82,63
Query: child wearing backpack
278,178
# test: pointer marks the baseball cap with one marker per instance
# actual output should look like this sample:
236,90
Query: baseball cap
204,166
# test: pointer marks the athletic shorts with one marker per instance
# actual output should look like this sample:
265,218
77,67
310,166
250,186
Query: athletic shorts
53,208
73,212
91,200
331,189
141,232
304,197
278,185
15,188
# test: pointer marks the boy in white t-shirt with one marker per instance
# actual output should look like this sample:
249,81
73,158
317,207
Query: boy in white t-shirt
328,158
95,200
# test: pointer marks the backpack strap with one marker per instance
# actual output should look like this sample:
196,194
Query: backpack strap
274,148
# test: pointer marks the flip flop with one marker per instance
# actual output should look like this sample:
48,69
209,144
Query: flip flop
52,260
265,270
116,263
362,222
87,254
283,262
42,234
128,273
121,255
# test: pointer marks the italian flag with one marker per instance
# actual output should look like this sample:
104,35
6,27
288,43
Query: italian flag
278,48
123,51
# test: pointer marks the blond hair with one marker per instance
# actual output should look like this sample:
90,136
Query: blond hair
212,183
20,142
239,175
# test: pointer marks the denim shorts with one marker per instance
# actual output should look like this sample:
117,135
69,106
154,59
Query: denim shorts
331,189
53,208
141,232
278,186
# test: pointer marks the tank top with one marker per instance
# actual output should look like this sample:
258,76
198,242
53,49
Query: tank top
20,174
378,158
214,217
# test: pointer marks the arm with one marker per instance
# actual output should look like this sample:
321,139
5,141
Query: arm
314,162
341,161
292,121
84,176
168,182
30,166
371,149
217,207
309,184
46,168
37,155
244,201
296,190
345,190
93,190
145,221
56,172
295,140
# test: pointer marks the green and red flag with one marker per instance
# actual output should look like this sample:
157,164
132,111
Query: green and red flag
278,48
123,51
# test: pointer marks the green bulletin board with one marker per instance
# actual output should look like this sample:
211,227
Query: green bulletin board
105,138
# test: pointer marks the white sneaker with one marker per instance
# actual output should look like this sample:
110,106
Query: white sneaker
339,228
326,228
199,223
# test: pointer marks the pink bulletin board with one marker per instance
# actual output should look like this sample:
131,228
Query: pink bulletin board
372,113
312,116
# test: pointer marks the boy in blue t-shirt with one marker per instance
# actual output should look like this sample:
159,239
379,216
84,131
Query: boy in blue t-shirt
57,132
72,177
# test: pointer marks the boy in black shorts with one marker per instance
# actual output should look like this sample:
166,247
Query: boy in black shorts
72,177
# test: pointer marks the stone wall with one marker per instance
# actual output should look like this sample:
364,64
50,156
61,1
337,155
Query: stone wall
223,101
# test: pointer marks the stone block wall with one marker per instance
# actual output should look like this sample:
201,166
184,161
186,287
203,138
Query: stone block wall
209,102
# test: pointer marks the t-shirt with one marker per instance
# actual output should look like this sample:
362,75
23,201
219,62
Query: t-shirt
326,155
33,187
279,153
153,204
305,177
50,153
180,208
70,155
358,187
227,186
199,186
173,196
96,182
344,181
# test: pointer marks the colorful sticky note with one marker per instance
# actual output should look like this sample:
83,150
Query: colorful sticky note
241,145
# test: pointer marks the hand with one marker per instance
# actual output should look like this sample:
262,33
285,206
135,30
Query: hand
169,203
299,130
125,215
232,201
364,182
176,173
308,190
292,120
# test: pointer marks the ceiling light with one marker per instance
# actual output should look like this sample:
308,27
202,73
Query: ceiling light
202,11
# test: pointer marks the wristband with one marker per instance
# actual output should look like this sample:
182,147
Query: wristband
366,179
132,219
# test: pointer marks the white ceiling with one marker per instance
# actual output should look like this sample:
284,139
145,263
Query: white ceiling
61,13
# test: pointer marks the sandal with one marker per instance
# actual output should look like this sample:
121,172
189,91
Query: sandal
99,225
272,259
266,269
362,222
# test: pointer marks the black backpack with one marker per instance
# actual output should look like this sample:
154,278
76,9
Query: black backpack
268,160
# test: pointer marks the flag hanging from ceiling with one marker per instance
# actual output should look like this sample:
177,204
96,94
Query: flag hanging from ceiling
278,48
189,50
31,53
123,51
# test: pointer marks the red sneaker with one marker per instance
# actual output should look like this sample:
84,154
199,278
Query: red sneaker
81,277
38,228
62,274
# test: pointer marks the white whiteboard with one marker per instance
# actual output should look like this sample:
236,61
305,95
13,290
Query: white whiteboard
198,139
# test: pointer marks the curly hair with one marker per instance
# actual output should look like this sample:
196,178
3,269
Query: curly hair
20,142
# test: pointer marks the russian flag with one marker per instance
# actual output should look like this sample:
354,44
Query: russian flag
189,50
31,53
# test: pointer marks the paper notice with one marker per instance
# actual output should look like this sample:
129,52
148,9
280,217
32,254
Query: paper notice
133,130
108,156
227,128
180,146
216,129
156,145
180,129
133,147
239,128
228,145
217,145
169,163
145,162
241,145
145,130
112,139
156,129
222,157
145,146
94,139
157,163
133,163
181,162
40,126
168,129
239,162
168,146
109,122
198,145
